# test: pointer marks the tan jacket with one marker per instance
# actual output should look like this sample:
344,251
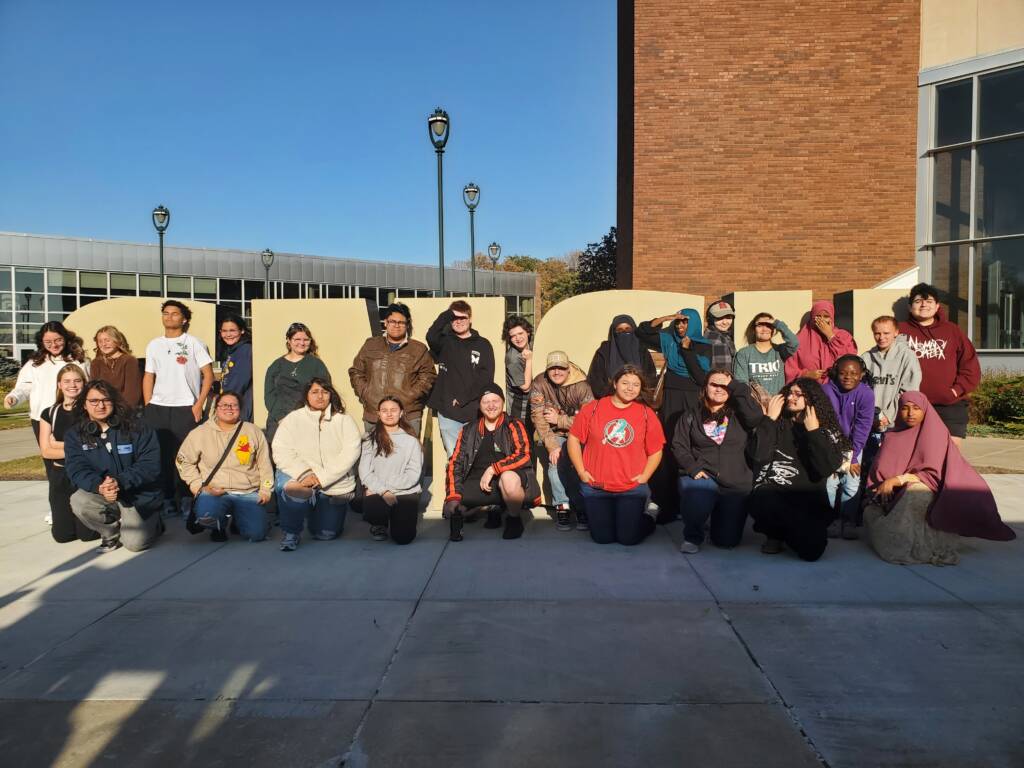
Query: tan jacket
245,470
408,372
567,399
329,448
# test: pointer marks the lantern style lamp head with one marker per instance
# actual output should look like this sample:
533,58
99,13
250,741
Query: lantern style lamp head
268,258
471,195
438,128
494,251
161,218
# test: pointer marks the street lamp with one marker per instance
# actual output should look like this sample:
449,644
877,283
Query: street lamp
471,197
267,257
494,251
161,218
438,128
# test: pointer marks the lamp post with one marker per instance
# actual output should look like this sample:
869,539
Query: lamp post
471,197
161,218
494,251
267,257
438,128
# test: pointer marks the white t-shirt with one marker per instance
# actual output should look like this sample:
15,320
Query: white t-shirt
177,364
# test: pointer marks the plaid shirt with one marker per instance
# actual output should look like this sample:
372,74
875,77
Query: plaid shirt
723,350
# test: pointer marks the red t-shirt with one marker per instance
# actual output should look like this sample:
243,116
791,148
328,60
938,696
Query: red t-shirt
617,441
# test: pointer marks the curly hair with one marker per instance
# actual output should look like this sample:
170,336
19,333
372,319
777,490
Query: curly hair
73,347
516,321
122,417
833,372
814,396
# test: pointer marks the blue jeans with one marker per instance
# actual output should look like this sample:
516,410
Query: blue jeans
450,429
250,516
847,487
565,483
323,513
617,516
701,499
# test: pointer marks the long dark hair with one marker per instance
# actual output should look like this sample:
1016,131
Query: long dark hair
705,406
73,346
815,395
516,321
379,438
337,404
121,415
629,368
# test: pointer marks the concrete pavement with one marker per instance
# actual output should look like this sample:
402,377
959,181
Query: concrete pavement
546,651
17,443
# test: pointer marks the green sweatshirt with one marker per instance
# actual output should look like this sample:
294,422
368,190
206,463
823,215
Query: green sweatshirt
766,368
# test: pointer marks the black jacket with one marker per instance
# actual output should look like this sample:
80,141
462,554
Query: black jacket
729,463
511,438
133,460
792,459
464,368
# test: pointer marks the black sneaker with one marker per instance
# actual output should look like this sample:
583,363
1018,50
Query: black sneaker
513,527
218,535
108,545
562,520
455,527
379,532
493,517
582,524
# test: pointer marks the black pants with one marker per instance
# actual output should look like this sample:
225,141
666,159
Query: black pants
798,518
66,527
400,519
172,425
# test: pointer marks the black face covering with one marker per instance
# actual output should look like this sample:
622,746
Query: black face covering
623,348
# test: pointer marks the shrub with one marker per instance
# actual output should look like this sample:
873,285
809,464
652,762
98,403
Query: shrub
999,401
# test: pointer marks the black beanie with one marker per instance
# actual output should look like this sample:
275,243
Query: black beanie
493,389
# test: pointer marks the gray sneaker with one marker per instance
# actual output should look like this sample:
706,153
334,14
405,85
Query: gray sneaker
689,548
290,542
562,520
325,536
379,532
582,524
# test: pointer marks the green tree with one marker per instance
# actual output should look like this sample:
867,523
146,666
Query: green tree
597,264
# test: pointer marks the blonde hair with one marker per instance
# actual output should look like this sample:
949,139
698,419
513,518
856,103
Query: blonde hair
117,336
69,368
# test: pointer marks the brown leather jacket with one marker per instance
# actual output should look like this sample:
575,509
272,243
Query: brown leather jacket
408,372
567,399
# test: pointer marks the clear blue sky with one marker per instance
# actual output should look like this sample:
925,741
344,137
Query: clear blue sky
301,126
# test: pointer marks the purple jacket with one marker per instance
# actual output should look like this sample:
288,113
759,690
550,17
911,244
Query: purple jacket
855,410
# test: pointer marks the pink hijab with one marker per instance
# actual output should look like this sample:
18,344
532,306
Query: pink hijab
963,503
813,352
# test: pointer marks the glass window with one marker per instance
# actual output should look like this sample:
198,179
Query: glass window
94,283
254,290
26,334
6,302
205,288
387,296
337,291
61,281
30,280
5,278
406,293
950,274
312,291
999,272
368,293
230,290
92,299
179,287
999,188
6,335
526,307
59,303
32,319
56,316
511,305
1001,106
28,300
288,290
223,307
953,112
149,285
123,285
952,195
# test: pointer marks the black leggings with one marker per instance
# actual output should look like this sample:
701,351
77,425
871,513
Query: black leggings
400,519
66,527
798,518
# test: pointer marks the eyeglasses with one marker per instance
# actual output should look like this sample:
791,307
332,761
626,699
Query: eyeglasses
227,407
396,322
98,401
920,300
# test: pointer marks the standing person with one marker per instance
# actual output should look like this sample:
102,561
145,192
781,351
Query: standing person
236,361
721,317
797,450
115,363
820,345
761,362
289,375
517,333
924,494
615,445
465,366
56,346
177,381
316,450
622,348
715,477
393,363
949,364
55,422
113,459
390,469
892,370
555,398
854,404
225,462
491,469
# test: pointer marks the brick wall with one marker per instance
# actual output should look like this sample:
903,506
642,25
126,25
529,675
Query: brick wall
772,144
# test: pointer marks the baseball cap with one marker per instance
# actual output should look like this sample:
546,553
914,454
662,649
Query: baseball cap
721,309
557,360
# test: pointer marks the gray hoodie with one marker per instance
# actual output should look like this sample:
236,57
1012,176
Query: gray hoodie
399,473
891,373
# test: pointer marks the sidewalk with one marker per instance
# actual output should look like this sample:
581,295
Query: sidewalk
545,651
1002,453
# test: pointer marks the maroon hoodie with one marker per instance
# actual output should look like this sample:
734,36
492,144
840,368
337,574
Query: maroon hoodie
948,361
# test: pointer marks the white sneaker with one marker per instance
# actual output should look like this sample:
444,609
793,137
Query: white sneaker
48,518
689,548
290,542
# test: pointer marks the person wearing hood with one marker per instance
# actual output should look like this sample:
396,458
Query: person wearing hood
925,495
491,468
622,348
556,396
949,363
819,345
235,360
892,370
721,317
854,404
465,365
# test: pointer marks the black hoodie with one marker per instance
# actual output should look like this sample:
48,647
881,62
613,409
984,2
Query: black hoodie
464,368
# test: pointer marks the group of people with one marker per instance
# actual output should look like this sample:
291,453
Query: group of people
804,435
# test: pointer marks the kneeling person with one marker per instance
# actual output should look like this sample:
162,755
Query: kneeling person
491,468
114,461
